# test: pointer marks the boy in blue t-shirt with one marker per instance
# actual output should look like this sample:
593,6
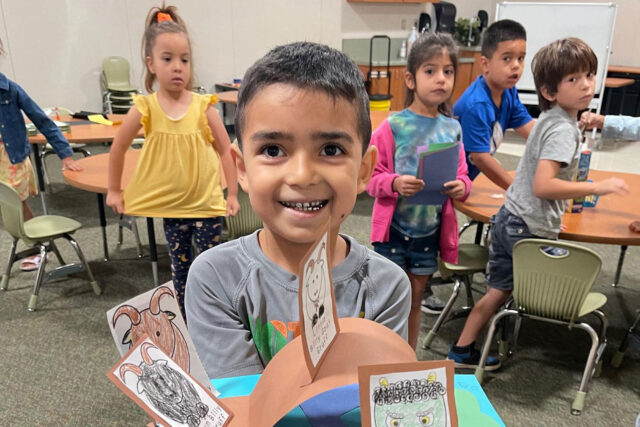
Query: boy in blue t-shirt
490,105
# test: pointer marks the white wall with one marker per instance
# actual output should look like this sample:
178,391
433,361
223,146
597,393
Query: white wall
55,49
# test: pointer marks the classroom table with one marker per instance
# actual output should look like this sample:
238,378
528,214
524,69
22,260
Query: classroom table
94,178
606,223
80,132
616,83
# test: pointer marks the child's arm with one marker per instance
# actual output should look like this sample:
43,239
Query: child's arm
49,129
222,145
492,169
613,126
525,130
547,185
128,130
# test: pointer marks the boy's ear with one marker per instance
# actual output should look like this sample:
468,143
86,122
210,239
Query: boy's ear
484,64
548,95
409,80
368,164
240,167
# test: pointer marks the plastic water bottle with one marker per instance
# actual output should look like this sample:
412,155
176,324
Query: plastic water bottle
413,36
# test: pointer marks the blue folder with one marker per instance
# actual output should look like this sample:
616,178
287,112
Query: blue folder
435,167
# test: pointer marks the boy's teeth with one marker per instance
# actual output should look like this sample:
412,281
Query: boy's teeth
305,206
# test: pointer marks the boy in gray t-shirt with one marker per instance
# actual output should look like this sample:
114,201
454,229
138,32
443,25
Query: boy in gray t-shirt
564,74
303,128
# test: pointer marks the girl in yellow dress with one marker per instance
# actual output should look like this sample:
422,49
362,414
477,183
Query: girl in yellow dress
186,148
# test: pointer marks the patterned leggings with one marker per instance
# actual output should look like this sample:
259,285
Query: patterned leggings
179,233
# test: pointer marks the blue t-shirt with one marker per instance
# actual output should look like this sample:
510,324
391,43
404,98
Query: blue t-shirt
483,124
411,131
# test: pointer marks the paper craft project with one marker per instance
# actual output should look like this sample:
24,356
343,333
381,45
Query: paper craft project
408,394
165,391
156,313
98,118
437,164
318,315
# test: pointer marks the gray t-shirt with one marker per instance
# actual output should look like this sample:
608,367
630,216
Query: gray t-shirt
556,137
242,308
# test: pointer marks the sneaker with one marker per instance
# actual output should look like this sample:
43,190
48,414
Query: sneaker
31,263
432,305
470,357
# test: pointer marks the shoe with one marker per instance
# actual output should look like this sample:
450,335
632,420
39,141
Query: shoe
470,357
31,263
432,305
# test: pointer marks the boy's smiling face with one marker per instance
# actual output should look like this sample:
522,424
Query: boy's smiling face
301,161
504,68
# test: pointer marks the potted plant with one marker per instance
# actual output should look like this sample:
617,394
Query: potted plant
467,31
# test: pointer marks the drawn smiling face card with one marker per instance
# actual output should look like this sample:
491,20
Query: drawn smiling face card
156,313
164,390
318,315
408,394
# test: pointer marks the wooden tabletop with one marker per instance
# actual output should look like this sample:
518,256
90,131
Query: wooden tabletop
623,69
607,222
95,174
230,97
86,133
616,82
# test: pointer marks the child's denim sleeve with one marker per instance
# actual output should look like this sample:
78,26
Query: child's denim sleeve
477,127
44,124
621,127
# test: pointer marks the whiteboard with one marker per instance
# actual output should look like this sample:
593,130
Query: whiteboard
545,22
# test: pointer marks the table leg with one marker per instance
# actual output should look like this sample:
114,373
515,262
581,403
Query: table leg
479,229
153,253
103,225
623,251
40,175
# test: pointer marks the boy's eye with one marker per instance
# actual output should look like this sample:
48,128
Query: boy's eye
332,150
521,59
507,59
272,151
429,70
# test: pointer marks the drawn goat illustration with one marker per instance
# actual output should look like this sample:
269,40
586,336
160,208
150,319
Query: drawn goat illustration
170,392
158,324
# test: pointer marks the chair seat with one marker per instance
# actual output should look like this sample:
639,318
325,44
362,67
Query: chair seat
471,257
47,226
593,301
121,87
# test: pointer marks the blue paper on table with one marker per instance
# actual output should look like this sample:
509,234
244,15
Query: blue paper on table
435,167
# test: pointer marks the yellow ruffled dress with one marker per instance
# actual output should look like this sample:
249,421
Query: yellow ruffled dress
178,173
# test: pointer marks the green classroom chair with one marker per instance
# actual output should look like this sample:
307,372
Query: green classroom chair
40,231
556,289
245,222
472,259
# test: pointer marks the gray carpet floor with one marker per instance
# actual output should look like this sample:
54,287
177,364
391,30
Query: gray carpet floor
54,360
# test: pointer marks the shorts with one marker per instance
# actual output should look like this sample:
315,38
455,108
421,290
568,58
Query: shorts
507,229
418,256
20,176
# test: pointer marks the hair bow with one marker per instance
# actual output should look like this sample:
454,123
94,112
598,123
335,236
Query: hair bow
161,17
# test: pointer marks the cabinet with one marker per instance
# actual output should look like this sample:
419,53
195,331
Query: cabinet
466,73
379,84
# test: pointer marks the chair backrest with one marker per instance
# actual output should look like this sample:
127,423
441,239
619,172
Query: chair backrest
11,209
246,221
552,285
115,71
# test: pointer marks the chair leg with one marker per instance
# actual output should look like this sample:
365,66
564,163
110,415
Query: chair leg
488,339
617,358
120,227
33,301
4,282
581,394
55,250
43,157
516,333
82,151
96,287
443,316
136,235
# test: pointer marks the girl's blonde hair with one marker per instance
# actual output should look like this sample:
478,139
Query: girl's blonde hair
153,29
426,47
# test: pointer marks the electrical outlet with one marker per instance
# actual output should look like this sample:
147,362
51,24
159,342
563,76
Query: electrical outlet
403,24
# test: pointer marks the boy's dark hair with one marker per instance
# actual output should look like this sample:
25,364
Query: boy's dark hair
557,60
426,47
501,31
309,66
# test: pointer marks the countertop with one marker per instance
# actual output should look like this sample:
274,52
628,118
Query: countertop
358,50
